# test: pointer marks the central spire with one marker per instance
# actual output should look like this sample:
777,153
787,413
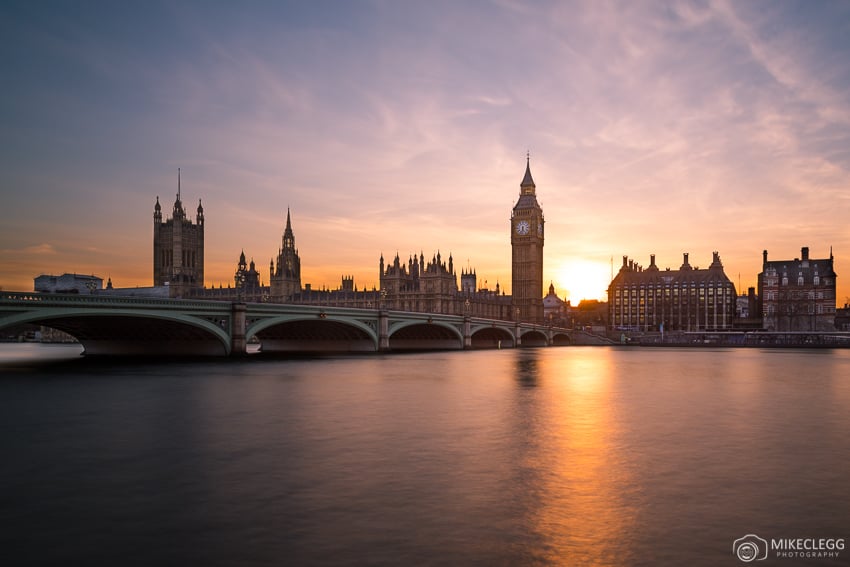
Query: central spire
527,184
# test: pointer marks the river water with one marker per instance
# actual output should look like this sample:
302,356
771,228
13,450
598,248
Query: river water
554,456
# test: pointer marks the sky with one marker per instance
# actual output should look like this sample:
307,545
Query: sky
403,127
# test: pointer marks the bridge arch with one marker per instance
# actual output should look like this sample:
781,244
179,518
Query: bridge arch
492,336
131,331
424,335
533,338
561,339
322,333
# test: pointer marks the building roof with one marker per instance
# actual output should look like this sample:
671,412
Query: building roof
527,180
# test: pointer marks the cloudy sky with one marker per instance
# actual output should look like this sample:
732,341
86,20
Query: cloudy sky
399,127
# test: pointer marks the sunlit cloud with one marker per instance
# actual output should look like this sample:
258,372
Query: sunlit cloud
653,128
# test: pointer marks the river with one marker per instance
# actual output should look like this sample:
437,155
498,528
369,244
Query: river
551,456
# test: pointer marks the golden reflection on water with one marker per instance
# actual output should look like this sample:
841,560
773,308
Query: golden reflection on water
582,512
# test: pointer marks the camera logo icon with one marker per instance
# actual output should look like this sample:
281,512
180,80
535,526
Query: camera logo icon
750,548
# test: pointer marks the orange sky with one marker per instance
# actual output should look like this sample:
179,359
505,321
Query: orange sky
653,129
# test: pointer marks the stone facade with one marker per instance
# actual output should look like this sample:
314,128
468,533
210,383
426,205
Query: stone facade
527,252
687,299
285,277
798,294
178,248
431,287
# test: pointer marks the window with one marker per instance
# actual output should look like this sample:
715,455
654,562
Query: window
817,279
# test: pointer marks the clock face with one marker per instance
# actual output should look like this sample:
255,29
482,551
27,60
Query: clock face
539,230
522,227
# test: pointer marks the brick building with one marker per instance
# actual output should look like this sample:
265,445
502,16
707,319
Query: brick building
687,299
798,294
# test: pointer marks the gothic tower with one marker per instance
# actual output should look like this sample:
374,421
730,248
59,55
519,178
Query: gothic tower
527,253
285,278
178,248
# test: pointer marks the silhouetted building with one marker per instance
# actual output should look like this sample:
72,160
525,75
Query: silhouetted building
417,285
590,315
554,308
842,318
68,283
687,299
431,287
178,248
527,252
246,278
468,281
285,280
798,294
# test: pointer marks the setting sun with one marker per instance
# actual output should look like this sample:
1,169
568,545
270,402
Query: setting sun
582,279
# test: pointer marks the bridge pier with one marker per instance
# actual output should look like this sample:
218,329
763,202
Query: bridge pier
467,333
383,331
238,344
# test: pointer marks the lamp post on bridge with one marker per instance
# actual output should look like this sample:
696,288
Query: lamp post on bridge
238,343
383,324
467,326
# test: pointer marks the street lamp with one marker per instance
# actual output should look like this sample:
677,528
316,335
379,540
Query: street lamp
240,283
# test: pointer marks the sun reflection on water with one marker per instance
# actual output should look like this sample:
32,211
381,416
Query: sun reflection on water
581,512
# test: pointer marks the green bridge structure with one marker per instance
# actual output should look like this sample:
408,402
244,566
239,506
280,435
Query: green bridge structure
120,325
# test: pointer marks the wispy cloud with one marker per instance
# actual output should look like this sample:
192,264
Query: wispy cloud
652,127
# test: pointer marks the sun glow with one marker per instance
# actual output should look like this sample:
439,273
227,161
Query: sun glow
583,279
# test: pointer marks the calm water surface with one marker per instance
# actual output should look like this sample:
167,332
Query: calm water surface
559,456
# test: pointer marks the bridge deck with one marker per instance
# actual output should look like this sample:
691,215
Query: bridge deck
133,325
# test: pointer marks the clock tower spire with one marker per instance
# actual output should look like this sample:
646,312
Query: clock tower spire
527,252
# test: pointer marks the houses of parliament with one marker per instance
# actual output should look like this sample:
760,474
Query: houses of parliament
417,284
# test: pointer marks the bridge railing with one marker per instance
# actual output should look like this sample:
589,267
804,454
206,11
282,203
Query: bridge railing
17,298
65,299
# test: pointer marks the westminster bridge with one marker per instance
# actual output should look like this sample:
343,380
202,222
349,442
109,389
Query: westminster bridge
116,325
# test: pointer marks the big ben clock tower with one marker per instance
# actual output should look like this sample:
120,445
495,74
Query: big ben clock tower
527,253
